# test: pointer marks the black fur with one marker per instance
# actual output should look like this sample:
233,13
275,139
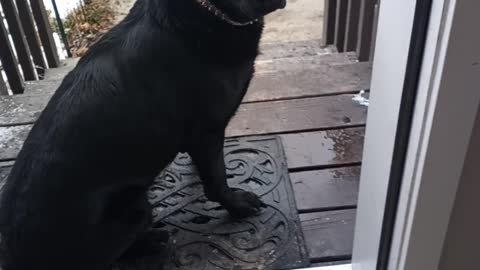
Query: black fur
166,79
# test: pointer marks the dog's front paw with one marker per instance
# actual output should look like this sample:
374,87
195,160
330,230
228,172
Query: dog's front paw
242,204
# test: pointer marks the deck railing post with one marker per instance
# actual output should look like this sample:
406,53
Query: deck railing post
353,16
45,32
329,19
341,24
9,62
31,35
374,31
365,29
18,37
350,26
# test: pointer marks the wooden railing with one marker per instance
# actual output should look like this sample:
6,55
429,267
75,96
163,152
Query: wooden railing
350,25
33,49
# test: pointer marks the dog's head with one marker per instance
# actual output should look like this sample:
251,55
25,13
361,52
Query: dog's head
245,10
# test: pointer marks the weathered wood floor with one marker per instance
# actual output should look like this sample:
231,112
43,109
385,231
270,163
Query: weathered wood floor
301,92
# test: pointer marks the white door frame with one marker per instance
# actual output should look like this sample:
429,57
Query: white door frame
447,105
392,45
394,33
447,101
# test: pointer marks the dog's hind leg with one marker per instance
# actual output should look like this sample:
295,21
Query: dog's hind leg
149,249
70,243
207,153
149,252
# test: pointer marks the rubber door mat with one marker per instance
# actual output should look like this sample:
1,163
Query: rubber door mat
205,237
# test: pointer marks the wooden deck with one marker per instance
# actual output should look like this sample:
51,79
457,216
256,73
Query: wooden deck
303,94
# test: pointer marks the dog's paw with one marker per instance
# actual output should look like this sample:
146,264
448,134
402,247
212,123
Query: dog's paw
242,204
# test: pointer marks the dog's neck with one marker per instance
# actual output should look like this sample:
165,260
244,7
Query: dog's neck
222,15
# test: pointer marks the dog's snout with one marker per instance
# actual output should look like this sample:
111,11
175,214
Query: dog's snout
273,5
281,3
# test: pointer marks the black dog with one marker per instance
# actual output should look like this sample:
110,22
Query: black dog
165,80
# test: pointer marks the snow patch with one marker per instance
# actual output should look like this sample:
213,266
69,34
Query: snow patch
361,98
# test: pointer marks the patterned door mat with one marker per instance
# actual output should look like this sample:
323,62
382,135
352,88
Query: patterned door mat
205,237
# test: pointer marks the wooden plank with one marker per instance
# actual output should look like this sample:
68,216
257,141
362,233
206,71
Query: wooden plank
330,263
303,62
31,35
21,109
341,24
57,74
353,16
374,31
9,62
297,115
11,141
329,235
18,37
288,49
43,87
6,163
317,75
365,29
325,80
276,80
252,118
329,19
324,153
323,148
328,189
45,32
310,82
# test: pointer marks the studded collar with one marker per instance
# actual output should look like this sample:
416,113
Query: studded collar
221,15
